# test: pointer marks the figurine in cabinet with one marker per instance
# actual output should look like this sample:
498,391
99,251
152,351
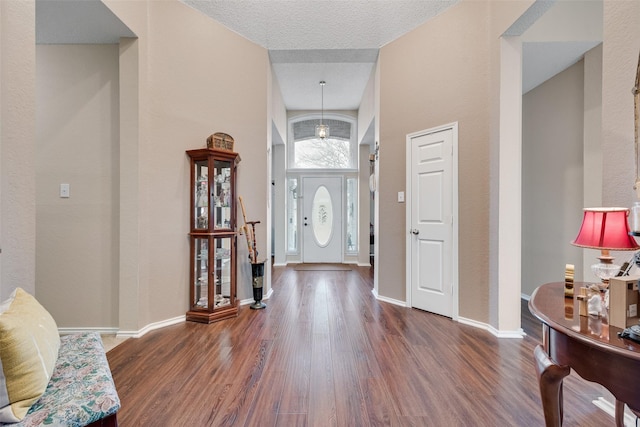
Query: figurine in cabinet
201,198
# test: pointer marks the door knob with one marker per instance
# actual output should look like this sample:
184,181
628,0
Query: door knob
415,231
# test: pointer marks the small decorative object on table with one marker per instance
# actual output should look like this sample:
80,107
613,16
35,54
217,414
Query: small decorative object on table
568,280
623,301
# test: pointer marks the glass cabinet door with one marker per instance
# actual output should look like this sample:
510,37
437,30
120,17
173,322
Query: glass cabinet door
201,194
200,273
222,272
222,196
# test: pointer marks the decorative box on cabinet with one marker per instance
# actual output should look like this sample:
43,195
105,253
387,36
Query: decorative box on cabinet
212,288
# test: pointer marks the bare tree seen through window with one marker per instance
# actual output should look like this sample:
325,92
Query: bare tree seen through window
329,153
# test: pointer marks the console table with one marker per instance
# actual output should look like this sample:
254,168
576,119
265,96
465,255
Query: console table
586,344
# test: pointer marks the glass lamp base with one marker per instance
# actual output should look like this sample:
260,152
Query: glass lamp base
605,271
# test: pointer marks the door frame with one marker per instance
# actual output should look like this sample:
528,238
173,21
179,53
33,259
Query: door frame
454,209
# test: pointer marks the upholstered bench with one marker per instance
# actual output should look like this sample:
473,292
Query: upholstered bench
49,380
81,390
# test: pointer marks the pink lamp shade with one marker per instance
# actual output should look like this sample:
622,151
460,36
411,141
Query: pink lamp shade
605,228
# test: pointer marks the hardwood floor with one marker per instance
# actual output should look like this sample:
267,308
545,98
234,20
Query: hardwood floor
325,352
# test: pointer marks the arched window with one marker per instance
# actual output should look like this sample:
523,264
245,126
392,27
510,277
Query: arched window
338,151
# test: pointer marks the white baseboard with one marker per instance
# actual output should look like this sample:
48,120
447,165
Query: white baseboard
389,300
609,408
498,333
151,327
148,328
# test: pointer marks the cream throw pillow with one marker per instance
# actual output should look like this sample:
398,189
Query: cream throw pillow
29,343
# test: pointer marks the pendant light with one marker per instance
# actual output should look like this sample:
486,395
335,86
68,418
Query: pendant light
322,130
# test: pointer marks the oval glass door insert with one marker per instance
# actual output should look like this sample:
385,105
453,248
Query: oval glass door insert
322,216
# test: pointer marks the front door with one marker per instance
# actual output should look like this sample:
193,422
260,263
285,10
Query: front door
322,219
430,244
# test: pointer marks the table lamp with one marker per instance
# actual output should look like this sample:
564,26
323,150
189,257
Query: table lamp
605,229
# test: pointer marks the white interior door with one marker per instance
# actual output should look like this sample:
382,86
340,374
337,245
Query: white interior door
322,219
431,219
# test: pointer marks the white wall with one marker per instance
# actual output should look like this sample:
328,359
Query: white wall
364,205
367,110
278,110
77,119
552,177
279,204
278,172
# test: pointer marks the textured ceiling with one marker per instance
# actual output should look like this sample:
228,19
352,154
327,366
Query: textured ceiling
333,40
338,40
328,24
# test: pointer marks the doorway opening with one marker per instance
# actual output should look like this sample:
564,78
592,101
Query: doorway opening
322,205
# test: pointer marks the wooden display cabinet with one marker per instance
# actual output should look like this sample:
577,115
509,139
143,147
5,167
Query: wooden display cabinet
212,288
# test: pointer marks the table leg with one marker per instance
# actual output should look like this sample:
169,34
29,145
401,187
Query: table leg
619,413
550,378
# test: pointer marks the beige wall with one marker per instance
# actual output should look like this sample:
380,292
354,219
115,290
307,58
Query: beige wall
552,177
77,137
446,70
592,156
195,78
620,59
17,146
438,74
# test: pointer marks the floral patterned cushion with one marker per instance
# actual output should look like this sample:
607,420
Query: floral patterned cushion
81,389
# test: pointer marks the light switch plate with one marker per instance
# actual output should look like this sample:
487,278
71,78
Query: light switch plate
64,190
400,196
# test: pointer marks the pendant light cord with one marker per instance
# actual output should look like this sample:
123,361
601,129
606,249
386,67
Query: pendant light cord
322,83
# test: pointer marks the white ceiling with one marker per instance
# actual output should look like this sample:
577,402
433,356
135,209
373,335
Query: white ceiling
337,40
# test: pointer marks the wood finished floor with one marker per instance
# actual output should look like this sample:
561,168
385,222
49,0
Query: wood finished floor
325,352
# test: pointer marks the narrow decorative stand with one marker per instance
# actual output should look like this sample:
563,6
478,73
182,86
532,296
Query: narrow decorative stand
257,274
257,268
